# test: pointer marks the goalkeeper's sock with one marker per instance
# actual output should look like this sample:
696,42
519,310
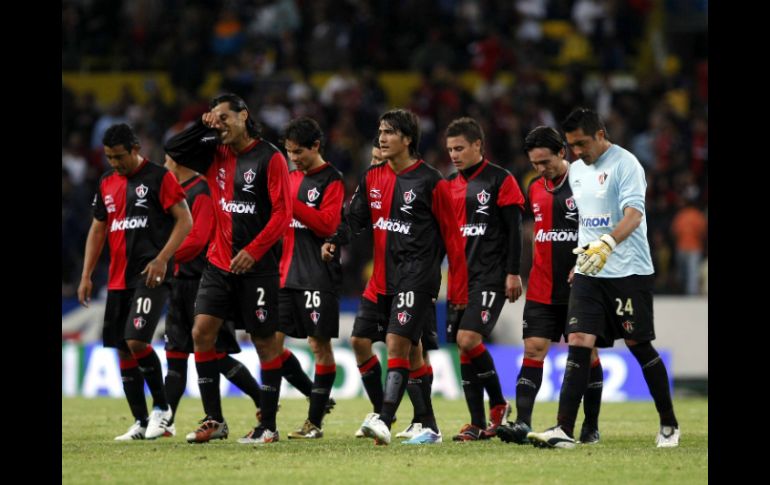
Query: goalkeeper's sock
657,381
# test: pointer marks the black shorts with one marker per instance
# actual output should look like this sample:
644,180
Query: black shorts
133,314
612,308
307,313
408,313
251,301
544,321
369,322
180,320
480,316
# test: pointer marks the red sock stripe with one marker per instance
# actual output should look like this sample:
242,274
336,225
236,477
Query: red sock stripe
398,363
464,359
285,355
596,363
476,351
325,369
532,363
144,353
128,364
419,372
276,363
205,356
430,369
221,355
364,368
173,354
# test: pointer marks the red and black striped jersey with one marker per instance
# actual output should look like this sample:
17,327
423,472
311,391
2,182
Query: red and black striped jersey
556,235
250,191
190,258
135,208
492,249
317,202
412,223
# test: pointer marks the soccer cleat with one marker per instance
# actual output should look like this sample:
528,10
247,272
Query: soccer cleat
259,436
373,427
588,435
329,405
259,412
426,437
308,431
470,432
208,430
551,438
158,422
411,431
360,433
135,432
515,432
497,415
668,437
170,431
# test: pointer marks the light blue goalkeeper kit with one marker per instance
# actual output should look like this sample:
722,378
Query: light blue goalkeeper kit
602,191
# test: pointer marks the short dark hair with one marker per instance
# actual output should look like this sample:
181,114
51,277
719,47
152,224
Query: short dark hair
407,123
544,137
376,142
237,104
467,127
584,119
120,134
304,132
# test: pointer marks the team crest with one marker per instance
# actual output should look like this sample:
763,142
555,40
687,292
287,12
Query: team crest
483,197
313,194
571,203
221,176
141,191
409,196
485,316
139,323
249,176
603,178
628,326
314,316
403,317
261,315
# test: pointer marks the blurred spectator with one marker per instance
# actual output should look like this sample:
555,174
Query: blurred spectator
689,228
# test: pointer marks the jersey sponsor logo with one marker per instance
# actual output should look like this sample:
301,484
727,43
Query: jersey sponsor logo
234,207
375,194
403,317
601,220
473,229
313,194
295,224
376,204
109,203
139,323
221,176
315,316
248,177
392,225
485,316
571,205
141,192
536,211
261,314
138,222
556,235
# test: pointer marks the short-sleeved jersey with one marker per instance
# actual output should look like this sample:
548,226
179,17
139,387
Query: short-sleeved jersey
413,226
477,201
250,191
191,254
135,208
602,191
555,236
317,203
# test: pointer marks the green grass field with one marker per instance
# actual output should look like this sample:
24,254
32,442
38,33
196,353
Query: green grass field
626,453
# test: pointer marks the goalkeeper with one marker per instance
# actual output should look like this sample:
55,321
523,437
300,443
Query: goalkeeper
611,295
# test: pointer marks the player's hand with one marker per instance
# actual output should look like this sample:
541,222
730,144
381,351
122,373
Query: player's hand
84,291
210,119
593,256
513,287
242,262
459,306
156,273
327,251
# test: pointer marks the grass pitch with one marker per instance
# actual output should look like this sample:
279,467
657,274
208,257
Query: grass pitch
626,453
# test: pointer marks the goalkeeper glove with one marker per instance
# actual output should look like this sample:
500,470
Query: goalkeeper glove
593,256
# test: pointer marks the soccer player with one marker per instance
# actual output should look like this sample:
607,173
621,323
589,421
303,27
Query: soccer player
487,206
545,311
408,205
611,295
189,261
309,296
249,182
141,210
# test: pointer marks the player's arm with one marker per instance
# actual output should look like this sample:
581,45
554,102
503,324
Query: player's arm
340,237
280,217
202,226
511,202
193,147
97,234
324,220
358,215
155,270
457,287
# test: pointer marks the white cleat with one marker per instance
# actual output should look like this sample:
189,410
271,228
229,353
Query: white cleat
668,437
551,438
373,427
135,432
158,422
410,432
426,437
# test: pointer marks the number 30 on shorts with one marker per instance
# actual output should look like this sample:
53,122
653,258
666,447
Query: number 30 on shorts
406,298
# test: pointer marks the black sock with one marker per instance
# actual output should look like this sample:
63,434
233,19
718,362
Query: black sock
293,373
414,391
238,374
371,375
149,365
395,385
427,386
527,385
573,387
657,381
322,388
270,391
473,390
485,368
176,379
133,386
592,400
208,382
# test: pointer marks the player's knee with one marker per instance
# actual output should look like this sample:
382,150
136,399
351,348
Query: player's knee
136,346
467,341
535,350
362,347
201,336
